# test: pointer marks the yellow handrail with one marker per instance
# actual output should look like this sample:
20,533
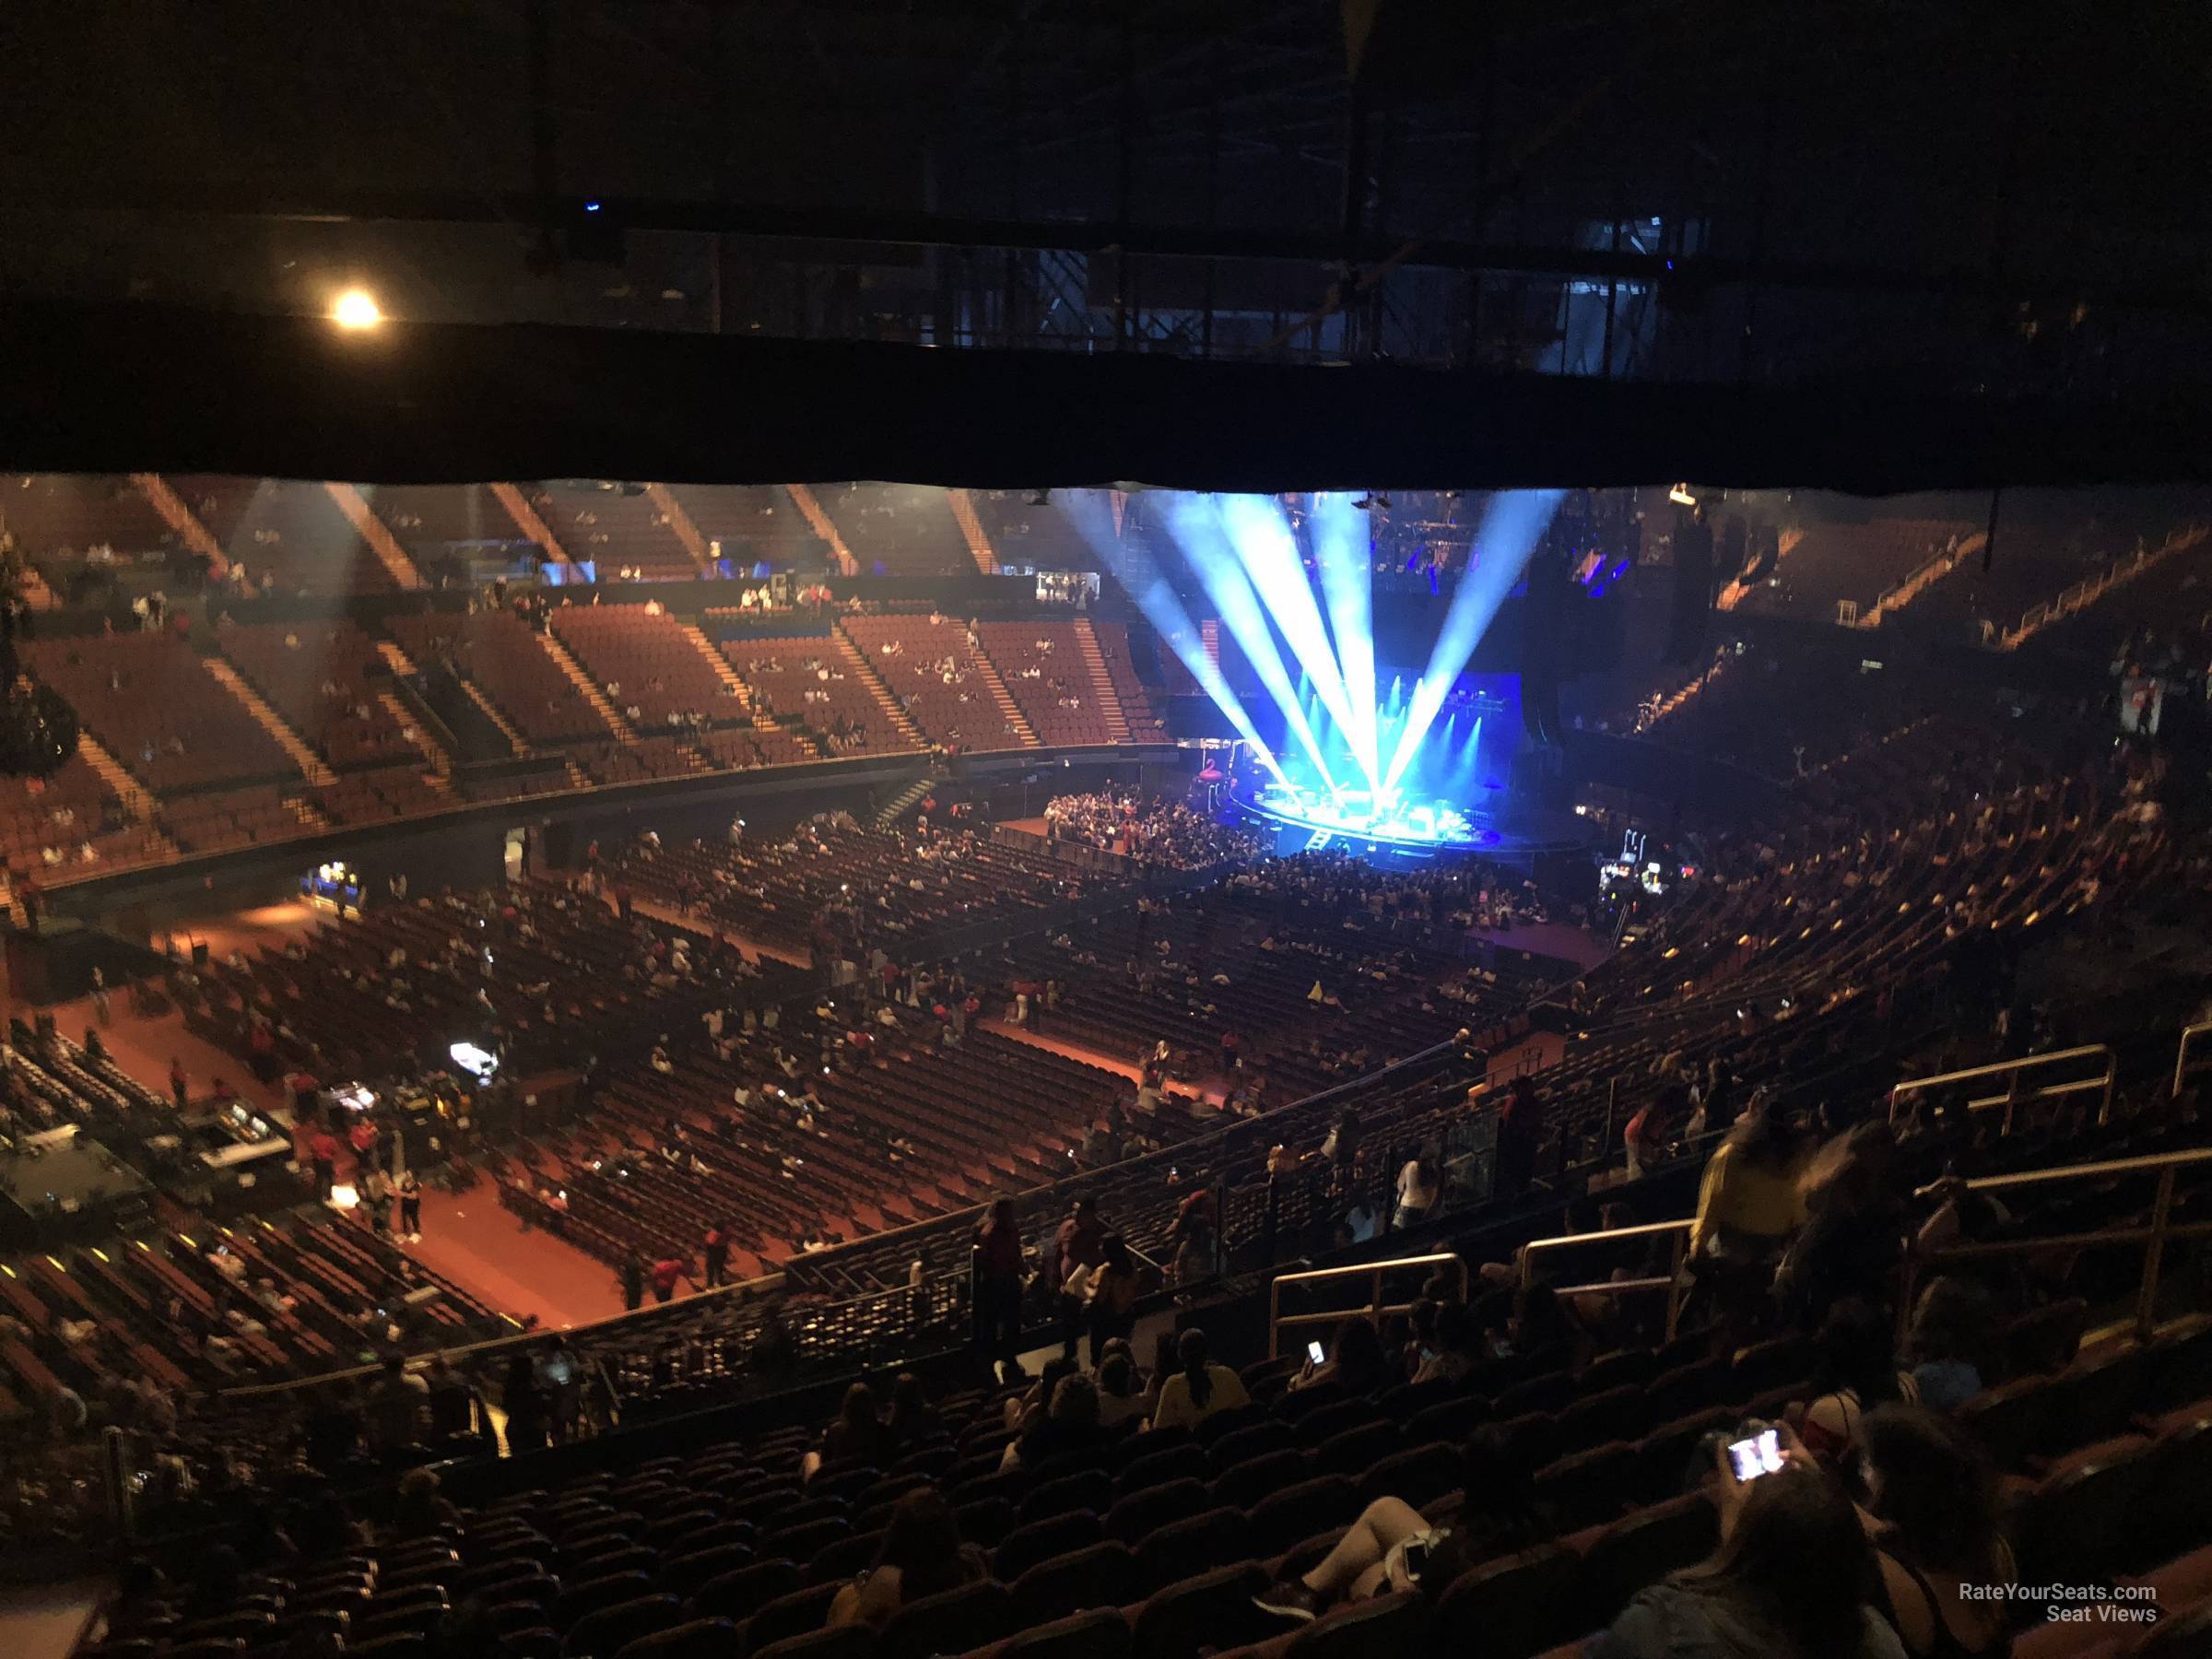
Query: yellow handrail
2181,1058
1376,1307
2013,1068
1672,1283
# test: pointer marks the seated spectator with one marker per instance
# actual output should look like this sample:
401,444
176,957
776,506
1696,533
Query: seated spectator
1393,1546
1457,1348
1932,1502
855,1440
922,1555
913,1419
1070,1424
1356,1362
1197,1388
1121,1387
418,1512
1953,1333
1787,1582
1855,1372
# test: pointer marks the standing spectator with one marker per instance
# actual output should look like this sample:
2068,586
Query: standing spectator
524,1403
667,1273
718,1255
322,1152
998,1263
179,1086
1420,1182
1081,1243
1519,1129
102,1007
630,1278
397,1404
1748,1205
410,1206
1110,1299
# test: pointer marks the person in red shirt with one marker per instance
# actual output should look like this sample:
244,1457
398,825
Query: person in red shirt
665,1273
323,1149
362,1137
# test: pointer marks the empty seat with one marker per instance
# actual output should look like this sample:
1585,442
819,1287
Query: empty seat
1099,1633
952,1621
1141,1512
610,1629
1025,1545
1282,1518
1103,1575
1208,1610
740,1592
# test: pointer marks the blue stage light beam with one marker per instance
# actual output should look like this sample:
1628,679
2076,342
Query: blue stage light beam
1197,524
1341,549
1260,532
1090,513
1511,526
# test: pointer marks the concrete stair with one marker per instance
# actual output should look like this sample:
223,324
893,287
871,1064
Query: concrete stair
857,660
304,758
135,798
311,815
533,527
811,511
578,777
434,760
1101,681
979,545
588,686
720,663
1005,699
378,536
166,502
679,522
491,713
905,800
395,658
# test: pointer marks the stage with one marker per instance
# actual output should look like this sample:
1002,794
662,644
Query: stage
1407,831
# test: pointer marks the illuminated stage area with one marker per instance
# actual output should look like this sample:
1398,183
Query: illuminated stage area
1352,816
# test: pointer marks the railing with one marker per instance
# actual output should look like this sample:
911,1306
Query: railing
2091,589
1376,1307
2154,1236
2181,1058
1673,1284
2010,1099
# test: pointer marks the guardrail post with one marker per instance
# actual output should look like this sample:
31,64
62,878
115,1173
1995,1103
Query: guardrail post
1675,1257
2111,1080
2153,1255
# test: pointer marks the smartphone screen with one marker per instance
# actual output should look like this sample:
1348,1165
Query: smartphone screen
1313,1352
1759,1455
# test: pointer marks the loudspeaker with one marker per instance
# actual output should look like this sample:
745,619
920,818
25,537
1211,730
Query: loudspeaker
1693,587
1543,617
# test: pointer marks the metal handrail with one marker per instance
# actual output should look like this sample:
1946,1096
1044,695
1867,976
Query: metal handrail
2156,1234
2008,1068
2181,1057
1376,1307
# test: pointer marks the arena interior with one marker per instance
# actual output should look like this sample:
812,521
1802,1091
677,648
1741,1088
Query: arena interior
1119,832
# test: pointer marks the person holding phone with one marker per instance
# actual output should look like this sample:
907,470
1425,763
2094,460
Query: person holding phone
1787,1582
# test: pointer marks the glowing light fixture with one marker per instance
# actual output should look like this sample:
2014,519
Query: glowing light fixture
355,309
1679,495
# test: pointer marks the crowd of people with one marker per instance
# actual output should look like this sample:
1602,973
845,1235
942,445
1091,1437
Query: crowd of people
1152,831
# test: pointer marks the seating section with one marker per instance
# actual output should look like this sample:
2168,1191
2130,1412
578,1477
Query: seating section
283,531
810,682
1859,562
497,653
931,668
755,524
150,701
646,660
1042,663
325,679
46,823
58,518
897,529
1145,724
1022,532
428,520
616,527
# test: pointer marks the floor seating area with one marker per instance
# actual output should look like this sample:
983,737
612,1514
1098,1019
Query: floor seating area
659,668
615,527
153,705
930,667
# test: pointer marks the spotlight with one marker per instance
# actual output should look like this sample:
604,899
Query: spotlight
1373,501
356,308
1679,495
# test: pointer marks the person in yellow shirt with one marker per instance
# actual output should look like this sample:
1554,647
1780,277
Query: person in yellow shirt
1749,1202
